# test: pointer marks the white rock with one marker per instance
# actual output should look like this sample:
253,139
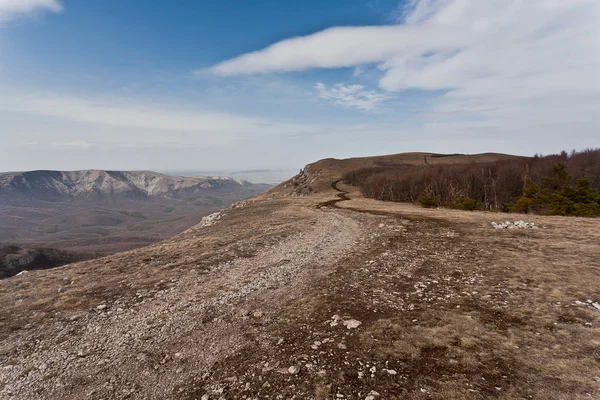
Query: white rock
335,320
294,369
596,305
101,307
352,323
372,395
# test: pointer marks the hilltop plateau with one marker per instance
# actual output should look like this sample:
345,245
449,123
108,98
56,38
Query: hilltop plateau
312,291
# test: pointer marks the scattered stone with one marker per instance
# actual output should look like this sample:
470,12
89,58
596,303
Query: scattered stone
76,317
211,219
22,273
513,225
352,323
294,369
391,371
204,397
596,306
257,314
101,307
372,395
342,346
335,320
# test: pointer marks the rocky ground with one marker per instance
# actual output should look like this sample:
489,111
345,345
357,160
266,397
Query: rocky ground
330,296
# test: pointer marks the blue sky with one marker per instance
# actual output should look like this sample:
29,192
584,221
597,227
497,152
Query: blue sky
277,84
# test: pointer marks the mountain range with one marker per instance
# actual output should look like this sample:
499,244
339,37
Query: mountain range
101,212
102,185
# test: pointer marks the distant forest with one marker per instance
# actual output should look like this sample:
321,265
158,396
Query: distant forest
559,184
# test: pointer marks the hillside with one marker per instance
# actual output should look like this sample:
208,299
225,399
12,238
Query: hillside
108,211
311,291
319,176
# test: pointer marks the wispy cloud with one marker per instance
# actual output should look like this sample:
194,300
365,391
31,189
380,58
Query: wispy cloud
191,124
351,96
10,9
526,63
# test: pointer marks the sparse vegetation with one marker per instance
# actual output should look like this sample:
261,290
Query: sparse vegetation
134,214
563,184
52,229
428,202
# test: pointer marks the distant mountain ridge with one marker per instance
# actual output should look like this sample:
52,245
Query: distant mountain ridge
58,185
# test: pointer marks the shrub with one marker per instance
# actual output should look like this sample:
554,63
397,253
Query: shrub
464,204
428,202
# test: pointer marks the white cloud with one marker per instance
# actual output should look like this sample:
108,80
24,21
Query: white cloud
349,96
524,63
340,47
75,145
10,9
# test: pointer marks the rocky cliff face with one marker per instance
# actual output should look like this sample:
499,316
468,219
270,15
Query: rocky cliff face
56,185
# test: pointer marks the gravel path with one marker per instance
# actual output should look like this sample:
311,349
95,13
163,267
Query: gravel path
145,348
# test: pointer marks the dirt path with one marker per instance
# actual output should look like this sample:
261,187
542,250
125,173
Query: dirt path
306,298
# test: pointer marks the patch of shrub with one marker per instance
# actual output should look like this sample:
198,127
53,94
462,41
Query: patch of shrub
428,202
464,204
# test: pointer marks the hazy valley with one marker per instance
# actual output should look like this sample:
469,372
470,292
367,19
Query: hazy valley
91,213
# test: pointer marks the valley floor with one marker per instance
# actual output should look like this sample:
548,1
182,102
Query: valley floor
325,297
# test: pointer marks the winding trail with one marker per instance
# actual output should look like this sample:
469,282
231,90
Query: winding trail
342,196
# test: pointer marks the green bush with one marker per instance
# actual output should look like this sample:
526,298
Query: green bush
464,204
579,199
428,202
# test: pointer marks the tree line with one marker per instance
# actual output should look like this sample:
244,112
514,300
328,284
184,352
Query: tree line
558,184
